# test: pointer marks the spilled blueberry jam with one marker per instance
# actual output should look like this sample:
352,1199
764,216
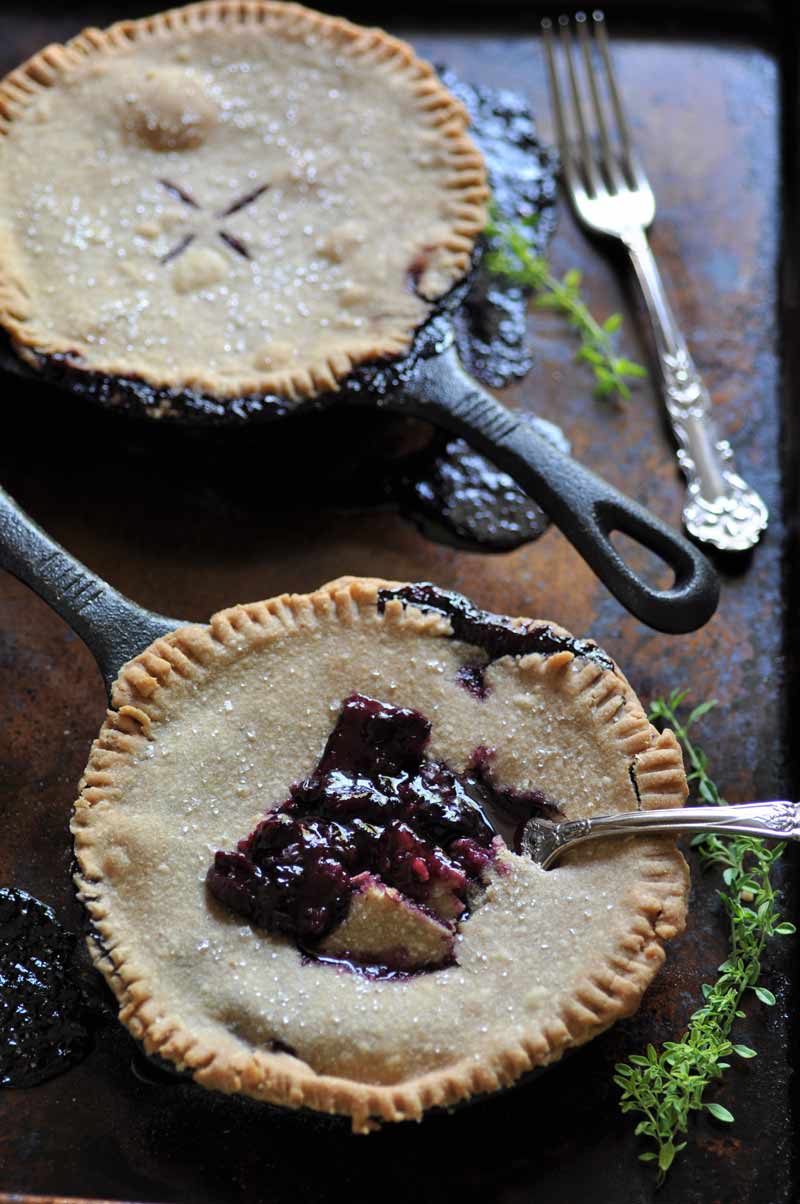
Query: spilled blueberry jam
43,1018
496,635
491,325
458,497
376,855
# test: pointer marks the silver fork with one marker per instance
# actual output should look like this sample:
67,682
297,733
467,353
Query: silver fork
545,841
611,195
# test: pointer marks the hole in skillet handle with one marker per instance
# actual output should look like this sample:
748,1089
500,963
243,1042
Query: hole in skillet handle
647,564
693,596
586,508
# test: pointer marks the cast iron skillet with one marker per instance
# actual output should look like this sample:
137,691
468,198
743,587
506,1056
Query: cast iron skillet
430,383
114,628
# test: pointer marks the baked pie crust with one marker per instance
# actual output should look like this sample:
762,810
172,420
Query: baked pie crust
209,726
239,199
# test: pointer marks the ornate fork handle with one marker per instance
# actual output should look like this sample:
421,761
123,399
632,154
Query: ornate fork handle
778,820
720,508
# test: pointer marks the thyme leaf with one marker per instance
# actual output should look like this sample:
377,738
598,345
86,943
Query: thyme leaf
664,1087
510,255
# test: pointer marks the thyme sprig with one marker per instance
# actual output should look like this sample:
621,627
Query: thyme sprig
665,1087
510,255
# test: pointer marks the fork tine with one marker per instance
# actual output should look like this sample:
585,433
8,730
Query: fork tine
591,173
614,176
555,91
564,144
630,162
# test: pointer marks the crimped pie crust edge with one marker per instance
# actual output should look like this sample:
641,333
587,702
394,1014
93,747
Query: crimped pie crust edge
465,184
141,698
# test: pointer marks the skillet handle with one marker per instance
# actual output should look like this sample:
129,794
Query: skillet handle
114,628
584,506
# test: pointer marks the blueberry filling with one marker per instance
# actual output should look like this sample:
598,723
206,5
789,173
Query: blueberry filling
472,677
495,634
373,804
375,815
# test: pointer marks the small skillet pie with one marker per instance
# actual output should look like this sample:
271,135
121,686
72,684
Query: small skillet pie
239,199
295,841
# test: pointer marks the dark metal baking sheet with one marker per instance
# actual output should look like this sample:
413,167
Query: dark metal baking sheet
709,108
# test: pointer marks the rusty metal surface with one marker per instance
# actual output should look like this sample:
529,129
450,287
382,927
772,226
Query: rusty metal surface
189,524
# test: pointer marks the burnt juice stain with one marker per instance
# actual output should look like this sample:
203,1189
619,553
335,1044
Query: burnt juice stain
44,1013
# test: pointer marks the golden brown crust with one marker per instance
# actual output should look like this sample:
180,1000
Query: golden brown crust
463,184
141,699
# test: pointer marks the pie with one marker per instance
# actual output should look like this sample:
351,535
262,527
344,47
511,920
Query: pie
295,838
232,199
